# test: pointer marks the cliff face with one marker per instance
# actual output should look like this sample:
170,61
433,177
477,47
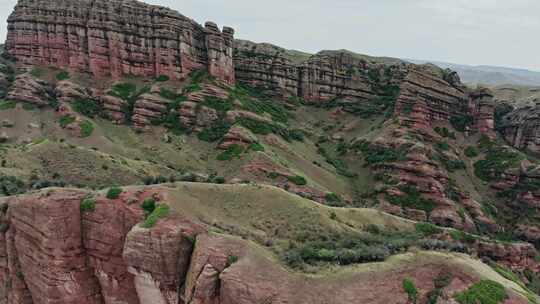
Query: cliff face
116,38
317,78
103,255
521,128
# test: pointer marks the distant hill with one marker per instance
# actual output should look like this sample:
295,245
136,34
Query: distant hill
490,75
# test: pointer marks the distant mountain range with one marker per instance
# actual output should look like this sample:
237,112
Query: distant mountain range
489,75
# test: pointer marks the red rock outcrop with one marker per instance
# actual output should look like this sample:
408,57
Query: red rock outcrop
159,258
425,98
51,251
521,128
193,114
27,88
116,38
317,78
46,251
149,107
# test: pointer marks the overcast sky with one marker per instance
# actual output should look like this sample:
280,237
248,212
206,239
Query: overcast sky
491,32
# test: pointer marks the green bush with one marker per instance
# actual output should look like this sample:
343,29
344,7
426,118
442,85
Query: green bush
485,143
162,78
231,259
461,236
410,290
63,75
257,147
218,104
87,107
297,180
296,134
66,120
6,105
411,199
471,152
129,93
427,229
374,154
11,185
233,151
214,132
87,128
37,72
339,164
258,127
256,102
114,192
442,146
483,292
444,132
461,122
88,205
161,211
148,205
332,197
496,162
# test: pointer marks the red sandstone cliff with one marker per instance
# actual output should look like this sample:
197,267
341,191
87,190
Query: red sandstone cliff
54,252
116,38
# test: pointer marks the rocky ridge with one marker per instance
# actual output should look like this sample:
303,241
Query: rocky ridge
117,38
103,255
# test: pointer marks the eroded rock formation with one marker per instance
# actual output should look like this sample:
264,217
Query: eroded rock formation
116,38
54,251
521,128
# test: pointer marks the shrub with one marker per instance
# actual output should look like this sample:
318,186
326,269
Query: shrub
485,143
66,120
148,205
444,132
410,290
87,128
296,134
11,185
461,122
461,236
496,162
231,152
160,211
251,101
337,163
114,192
471,152
374,154
218,104
231,259
427,229
129,93
483,292
63,75
88,205
258,127
215,132
4,227
6,105
256,147
411,199
332,197
162,78
87,107
443,146
37,72
297,180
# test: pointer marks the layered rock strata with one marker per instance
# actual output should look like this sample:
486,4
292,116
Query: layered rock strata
117,38
54,251
521,128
